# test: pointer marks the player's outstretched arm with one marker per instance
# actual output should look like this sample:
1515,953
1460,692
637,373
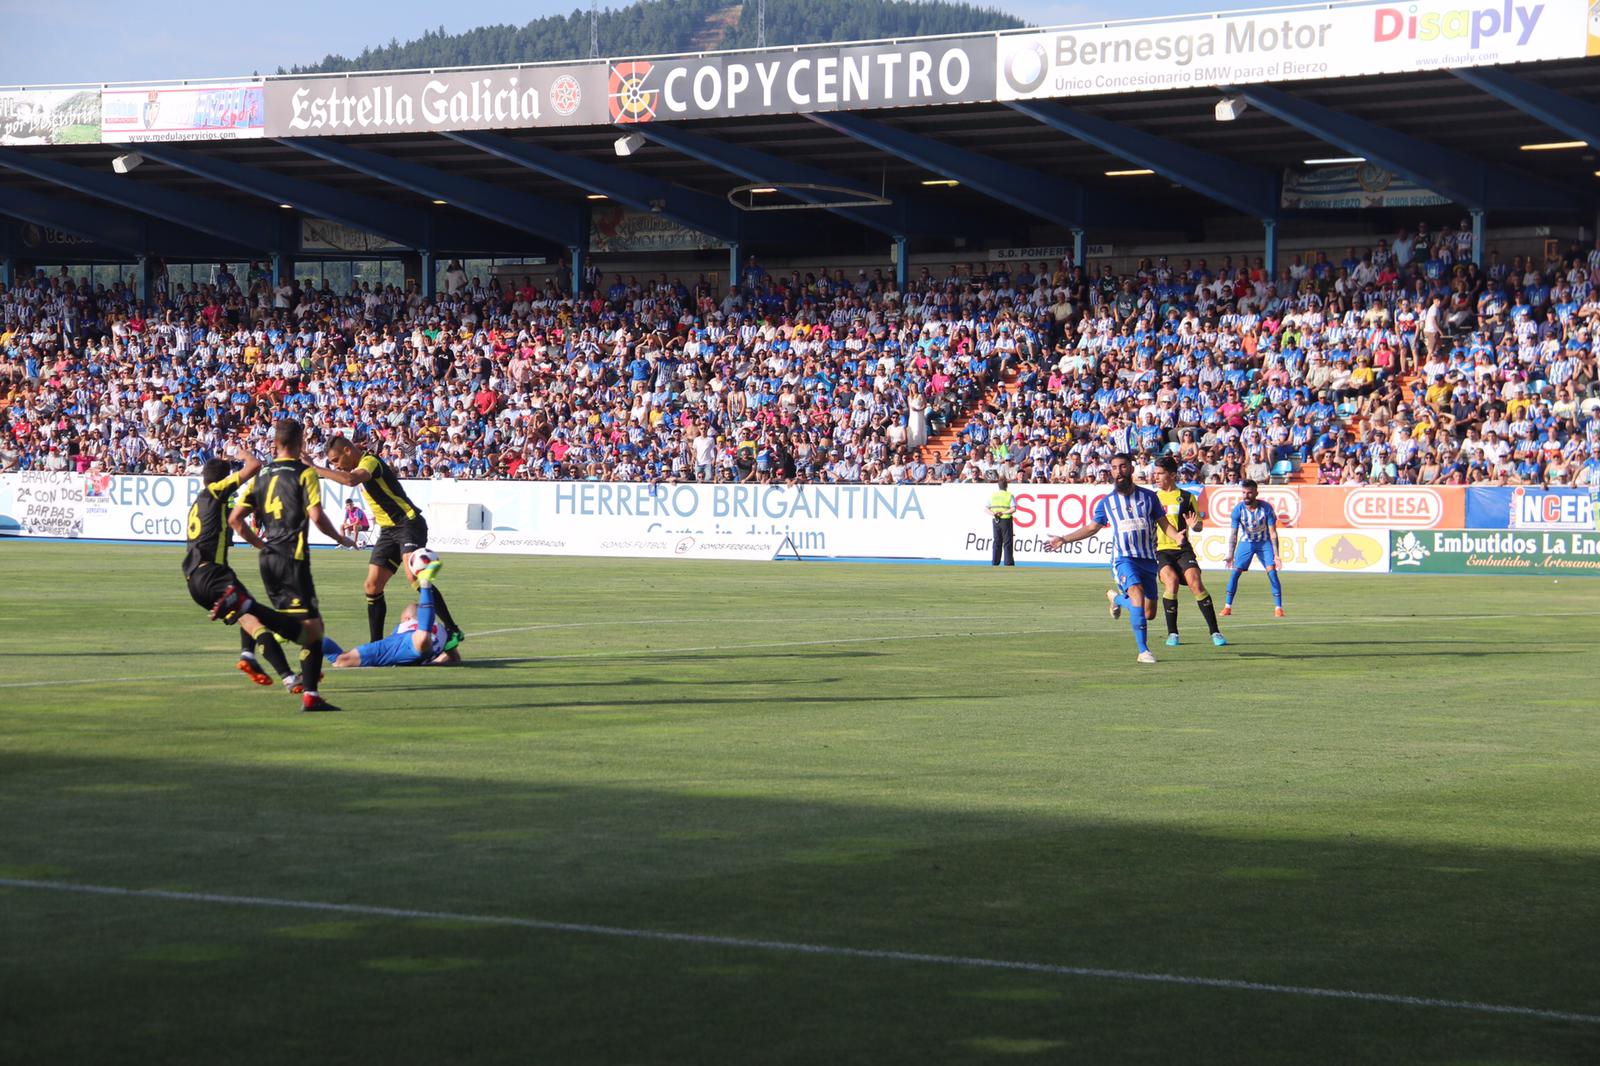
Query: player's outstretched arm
250,464
348,478
1062,540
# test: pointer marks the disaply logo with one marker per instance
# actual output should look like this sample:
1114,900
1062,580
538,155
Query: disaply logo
1476,24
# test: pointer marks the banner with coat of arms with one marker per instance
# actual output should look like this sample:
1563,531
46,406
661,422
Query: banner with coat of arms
182,113
1354,186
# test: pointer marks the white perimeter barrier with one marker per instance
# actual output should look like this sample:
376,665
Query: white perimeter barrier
945,523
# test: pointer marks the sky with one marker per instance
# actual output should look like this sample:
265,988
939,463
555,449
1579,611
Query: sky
101,40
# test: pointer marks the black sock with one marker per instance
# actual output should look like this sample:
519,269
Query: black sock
1170,609
1208,609
376,609
311,667
247,644
286,626
269,649
441,610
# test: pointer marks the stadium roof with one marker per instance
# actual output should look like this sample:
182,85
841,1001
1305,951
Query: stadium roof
1027,167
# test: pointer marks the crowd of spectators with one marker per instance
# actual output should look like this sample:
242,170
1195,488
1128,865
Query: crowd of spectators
1399,363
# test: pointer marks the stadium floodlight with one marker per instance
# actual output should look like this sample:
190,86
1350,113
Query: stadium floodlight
1128,173
1554,146
628,144
124,163
1230,108
1332,159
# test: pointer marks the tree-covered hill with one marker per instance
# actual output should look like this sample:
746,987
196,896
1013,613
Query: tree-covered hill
653,27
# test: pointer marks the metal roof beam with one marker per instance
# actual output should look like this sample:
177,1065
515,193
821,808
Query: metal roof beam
1247,189
1057,200
242,227
118,230
1465,179
1575,118
403,225
552,220
904,216
688,207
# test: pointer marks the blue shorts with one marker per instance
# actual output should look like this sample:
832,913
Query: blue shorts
397,649
1146,573
1247,550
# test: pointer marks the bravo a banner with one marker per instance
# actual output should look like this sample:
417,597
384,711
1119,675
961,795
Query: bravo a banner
946,70
1472,551
181,113
482,99
1288,45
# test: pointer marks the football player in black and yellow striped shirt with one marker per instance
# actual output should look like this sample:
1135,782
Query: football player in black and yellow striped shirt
286,499
1175,553
213,583
401,529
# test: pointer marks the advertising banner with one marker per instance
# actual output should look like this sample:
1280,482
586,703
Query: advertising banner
938,522
1530,507
485,99
320,235
182,113
613,228
1357,186
50,116
1361,507
1550,553
1286,45
815,78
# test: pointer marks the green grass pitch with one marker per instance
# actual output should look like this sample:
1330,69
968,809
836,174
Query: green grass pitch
1394,790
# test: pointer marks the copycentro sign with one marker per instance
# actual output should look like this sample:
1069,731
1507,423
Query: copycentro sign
821,78
1285,45
1439,551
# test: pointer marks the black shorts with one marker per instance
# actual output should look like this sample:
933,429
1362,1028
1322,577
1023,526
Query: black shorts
393,541
208,583
289,585
1182,560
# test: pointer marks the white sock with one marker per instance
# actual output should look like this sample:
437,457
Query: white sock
248,656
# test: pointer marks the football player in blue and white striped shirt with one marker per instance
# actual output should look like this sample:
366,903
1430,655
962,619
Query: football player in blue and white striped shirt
1132,514
1254,536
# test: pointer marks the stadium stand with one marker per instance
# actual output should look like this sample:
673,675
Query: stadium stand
1400,363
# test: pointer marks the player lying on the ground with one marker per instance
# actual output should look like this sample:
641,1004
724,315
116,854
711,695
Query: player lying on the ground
419,639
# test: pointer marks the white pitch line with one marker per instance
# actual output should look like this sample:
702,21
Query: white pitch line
878,639
708,621
796,948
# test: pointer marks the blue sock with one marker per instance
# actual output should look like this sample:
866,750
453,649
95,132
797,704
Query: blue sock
425,609
330,650
1122,601
1233,584
1141,627
1277,587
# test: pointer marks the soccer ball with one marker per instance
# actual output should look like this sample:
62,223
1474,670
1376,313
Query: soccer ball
419,559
